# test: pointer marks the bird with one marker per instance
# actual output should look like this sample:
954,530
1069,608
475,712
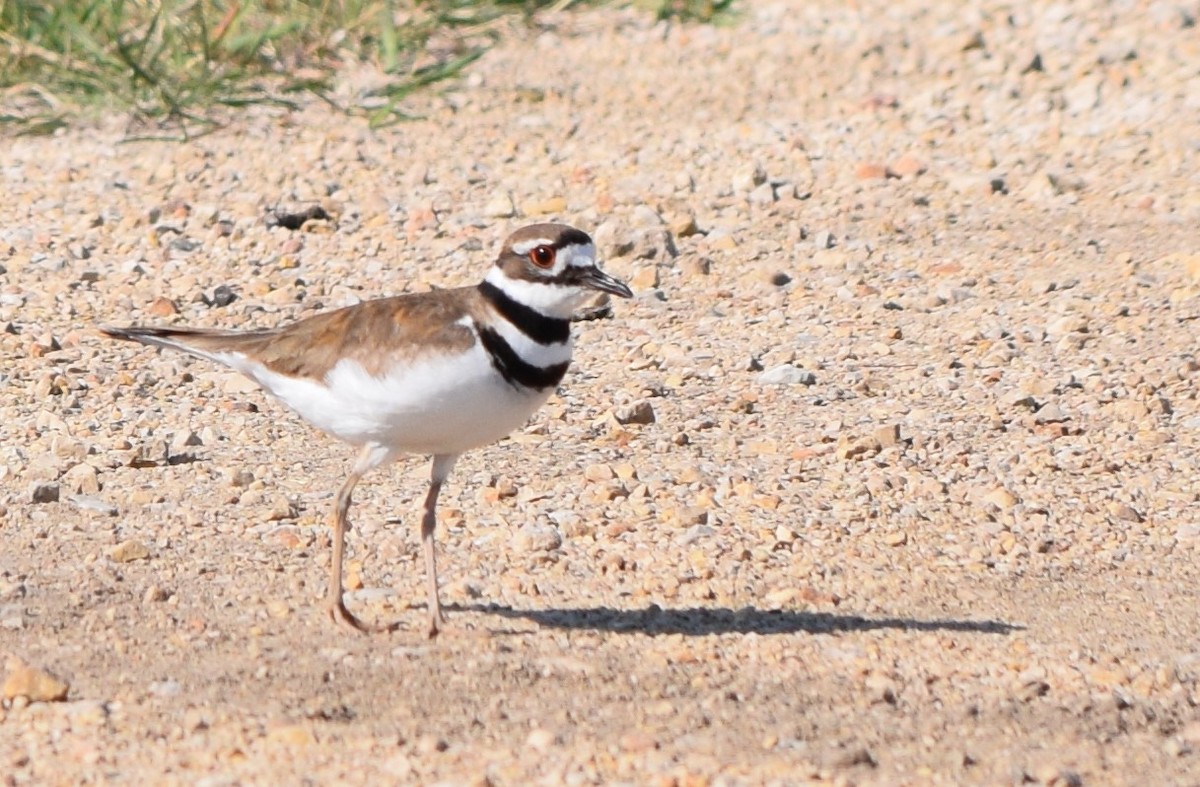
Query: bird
434,373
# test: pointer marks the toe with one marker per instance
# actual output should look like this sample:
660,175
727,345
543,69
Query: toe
342,616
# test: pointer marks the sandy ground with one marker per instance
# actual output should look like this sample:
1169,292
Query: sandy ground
889,474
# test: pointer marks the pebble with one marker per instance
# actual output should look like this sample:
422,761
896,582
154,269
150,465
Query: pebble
1001,498
641,412
645,217
824,239
293,735
82,479
1071,323
1188,533
223,296
43,492
644,278
241,478
749,177
431,744
762,195
233,383
599,472
613,240
685,226
533,537
887,435
181,441
500,206
399,766
35,685
1049,414
282,508
155,453
637,742
129,551
154,594
906,166
1019,400
545,207
90,503
540,739
786,374
858,448
722,241
870,170
162,307
1124,512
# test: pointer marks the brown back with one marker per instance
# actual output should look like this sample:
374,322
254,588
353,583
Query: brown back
375,333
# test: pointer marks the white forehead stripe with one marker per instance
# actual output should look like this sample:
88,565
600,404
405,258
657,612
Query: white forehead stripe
580,255
526,246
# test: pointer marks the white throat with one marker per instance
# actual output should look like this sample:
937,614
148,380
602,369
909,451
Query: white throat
553,300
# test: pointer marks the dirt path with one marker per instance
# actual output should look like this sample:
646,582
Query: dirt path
917,316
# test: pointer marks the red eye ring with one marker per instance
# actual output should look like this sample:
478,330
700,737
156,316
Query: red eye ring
542,256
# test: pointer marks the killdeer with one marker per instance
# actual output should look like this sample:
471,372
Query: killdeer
434,373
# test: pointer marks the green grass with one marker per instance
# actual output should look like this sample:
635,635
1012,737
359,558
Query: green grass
690,10
182,67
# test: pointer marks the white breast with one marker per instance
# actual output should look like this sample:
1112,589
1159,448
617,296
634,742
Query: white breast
436,404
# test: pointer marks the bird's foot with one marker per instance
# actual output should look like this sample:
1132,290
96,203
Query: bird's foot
342,616
437,625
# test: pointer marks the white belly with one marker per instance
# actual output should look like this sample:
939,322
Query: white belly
437,405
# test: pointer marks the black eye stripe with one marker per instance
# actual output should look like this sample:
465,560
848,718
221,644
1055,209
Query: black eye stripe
572,236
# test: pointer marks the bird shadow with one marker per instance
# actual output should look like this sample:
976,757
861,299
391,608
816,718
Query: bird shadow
703,621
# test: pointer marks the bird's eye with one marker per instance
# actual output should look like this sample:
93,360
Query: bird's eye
542,256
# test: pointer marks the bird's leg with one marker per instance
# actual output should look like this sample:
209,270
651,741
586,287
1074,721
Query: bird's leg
442,465
428,523
370,457
337,608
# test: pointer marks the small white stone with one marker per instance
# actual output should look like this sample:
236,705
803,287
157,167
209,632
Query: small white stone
786,374
500,206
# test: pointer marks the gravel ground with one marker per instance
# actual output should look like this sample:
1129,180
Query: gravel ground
887,476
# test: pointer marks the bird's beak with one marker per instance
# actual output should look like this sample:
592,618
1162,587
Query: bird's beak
596,279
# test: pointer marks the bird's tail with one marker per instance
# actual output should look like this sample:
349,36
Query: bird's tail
215,345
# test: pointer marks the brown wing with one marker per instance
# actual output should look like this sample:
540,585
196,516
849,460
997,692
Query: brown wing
375,333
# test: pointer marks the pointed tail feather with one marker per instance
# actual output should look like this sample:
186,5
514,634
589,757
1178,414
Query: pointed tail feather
221,346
